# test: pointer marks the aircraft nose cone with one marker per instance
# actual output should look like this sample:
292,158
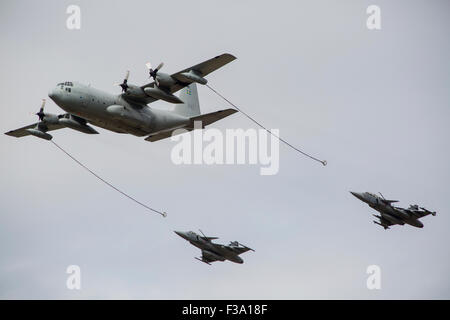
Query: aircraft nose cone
52,94
181,234
357,195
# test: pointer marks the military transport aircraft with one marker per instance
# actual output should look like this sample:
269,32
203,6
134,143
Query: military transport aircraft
391,215
128,112
213,251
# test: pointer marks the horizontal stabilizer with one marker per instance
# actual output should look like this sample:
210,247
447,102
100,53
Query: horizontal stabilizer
206,119
212,117
165,134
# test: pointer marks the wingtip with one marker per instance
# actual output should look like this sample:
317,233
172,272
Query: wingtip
228,55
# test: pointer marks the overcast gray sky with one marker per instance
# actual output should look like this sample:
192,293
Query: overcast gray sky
374,104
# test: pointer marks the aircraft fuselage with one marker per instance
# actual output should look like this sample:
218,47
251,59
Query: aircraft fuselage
113,112
393,214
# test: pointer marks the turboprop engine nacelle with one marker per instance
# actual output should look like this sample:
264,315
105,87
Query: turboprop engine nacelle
165,79
157,93
40,134
135,91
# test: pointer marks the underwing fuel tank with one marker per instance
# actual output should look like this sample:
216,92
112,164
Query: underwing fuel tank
160,94
191,75
40,134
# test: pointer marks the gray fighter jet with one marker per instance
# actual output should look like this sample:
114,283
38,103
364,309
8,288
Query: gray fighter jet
213,251
128,112
391,215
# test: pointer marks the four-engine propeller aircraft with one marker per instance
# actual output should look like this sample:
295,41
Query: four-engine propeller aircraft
213,251
128,112
391,215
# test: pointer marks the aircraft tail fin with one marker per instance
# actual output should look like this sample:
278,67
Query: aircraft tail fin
191,105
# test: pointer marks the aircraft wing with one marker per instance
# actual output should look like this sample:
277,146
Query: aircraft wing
22,132
240,250
56,122
204,68
207,66
238,247
420,213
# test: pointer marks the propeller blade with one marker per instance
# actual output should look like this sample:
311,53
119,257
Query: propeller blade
153,73
159,66
124,84
41,113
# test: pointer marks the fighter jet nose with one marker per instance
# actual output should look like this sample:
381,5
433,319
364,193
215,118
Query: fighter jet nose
181,234
357,195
